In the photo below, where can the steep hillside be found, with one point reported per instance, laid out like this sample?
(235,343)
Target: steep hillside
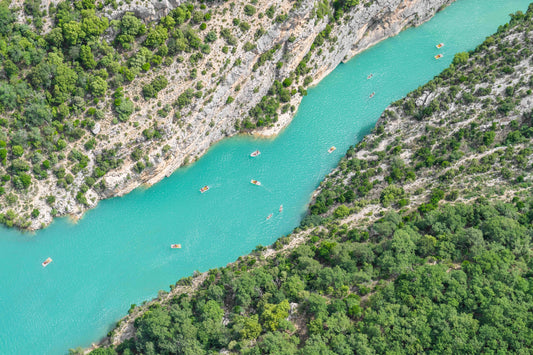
(99,97)
(420,241)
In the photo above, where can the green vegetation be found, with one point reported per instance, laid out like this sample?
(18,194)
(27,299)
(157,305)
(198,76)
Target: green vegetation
(419,241)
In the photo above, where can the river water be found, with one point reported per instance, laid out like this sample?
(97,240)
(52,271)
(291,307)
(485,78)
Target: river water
(119,253)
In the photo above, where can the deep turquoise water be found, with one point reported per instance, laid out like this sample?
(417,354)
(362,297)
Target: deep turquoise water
(119,253)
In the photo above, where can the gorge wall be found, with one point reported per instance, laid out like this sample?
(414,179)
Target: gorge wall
(232,82)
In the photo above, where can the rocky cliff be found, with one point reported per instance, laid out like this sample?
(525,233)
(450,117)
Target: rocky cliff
(230,84)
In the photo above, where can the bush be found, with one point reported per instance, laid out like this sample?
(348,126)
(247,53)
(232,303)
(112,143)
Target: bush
(249,10)
(460,58)
(249,46)
(211,36)
(341,211)
(124,109)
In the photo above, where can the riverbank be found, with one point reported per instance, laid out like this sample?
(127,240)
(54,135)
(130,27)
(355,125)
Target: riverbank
(125,328)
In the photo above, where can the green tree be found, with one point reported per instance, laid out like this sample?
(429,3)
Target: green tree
(460,58)
(156,36)
(341,211)
(248,327)
(7,17)
(10,68)
(72,32)
(124,109)
(17,151)
(87,57)
(98,86)
(91,25)
(249,10)
(273,314)
(55,37)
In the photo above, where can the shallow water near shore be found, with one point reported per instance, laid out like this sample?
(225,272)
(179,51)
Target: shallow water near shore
(119,253)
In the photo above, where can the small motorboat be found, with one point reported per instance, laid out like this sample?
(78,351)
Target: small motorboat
(440,45)
(254,154)
(438,56)
(372,95)
(331,150)
(46,262)
(269,216)
(204,189)
(281,208)
(369,76)
(255,182)
(175,246)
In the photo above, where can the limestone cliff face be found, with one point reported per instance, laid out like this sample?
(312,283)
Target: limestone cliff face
(212,118)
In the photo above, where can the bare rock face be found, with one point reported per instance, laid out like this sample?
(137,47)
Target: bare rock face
(96,129)
(213,117)
(146,10)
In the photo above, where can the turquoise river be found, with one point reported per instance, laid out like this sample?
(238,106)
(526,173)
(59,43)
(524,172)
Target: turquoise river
(119,253)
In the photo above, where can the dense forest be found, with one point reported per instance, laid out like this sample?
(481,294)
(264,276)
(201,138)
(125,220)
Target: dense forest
(419,242)
(455,280)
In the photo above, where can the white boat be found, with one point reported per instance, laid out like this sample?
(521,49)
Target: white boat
(204,189)
(256,153)
(175,246)
(255,182)
(332,149)
(438,56)
(372,95)
(46,262)
(269,216)
(440,45)
(369,76)
(281,208)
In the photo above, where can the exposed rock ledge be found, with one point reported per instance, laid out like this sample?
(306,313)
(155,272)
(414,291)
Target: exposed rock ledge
(215,119)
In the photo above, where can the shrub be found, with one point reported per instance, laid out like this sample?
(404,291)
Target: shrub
(249,10)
